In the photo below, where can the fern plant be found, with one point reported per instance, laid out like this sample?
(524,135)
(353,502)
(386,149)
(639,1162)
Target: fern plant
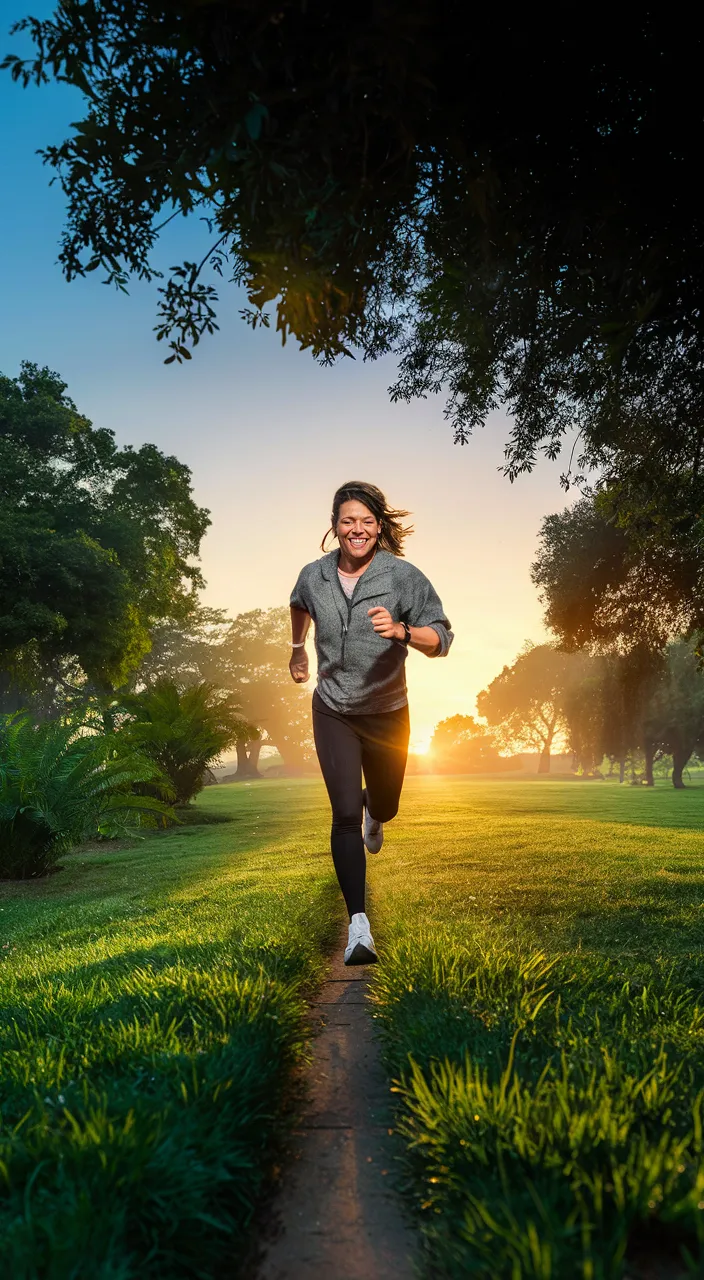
(60,784)
(183,730)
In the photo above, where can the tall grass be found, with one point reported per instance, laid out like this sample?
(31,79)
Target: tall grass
(548,1050)
(152,1009)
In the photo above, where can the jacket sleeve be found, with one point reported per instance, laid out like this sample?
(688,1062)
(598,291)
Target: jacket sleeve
(426,611)
(300,596)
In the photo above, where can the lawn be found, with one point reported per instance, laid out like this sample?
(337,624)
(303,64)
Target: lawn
(537,1001)
(541,1009)
(151,1009)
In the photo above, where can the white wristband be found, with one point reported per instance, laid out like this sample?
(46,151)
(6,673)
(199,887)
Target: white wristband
(300,645)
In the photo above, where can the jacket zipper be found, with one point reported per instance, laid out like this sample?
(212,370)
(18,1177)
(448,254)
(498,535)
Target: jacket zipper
(349,600)
(345,625)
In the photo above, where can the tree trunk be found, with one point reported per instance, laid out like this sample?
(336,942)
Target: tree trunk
(242,761)
(544,761)
(679,762)
(622,769)
(649,758)
(247,758)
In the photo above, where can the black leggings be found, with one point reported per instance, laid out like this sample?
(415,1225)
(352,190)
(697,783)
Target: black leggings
(346,745)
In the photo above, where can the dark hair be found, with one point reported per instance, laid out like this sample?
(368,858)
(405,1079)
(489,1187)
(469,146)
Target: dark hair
(392,533)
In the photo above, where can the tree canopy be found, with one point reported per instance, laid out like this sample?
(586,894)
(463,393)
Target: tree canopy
(674,717)
(97,543)
(511,205)
(611,582)
(461,745)
(252,664)
(526,704)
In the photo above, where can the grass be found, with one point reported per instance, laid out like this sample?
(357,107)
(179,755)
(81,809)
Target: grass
(540,1004)
(151,1009)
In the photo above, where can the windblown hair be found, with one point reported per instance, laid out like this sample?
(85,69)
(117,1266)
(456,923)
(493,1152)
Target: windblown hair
(393,532)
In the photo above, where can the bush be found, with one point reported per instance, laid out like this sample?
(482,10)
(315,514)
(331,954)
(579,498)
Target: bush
(183,730)
(59,785)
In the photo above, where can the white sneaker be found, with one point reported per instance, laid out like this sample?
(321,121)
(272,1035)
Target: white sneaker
(360,948)
(373,832)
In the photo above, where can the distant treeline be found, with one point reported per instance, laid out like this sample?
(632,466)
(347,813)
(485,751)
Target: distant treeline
(628,711)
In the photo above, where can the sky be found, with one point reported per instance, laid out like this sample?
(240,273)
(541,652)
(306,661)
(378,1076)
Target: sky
(269,434)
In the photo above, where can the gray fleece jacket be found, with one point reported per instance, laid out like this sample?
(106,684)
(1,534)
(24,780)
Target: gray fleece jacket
(358,670)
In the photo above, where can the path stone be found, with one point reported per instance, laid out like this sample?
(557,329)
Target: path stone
(337,1216)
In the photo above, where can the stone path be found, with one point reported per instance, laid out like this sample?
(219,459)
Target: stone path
(336,1216)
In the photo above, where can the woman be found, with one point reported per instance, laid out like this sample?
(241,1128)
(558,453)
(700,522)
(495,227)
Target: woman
(368,606)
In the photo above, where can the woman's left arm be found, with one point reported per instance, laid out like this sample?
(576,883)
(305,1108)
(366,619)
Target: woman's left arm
(430,629)
(425,639)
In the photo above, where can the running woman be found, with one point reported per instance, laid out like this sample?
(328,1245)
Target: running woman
(368,606)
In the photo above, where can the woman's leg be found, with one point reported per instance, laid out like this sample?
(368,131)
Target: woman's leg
(384,754)
(340,754)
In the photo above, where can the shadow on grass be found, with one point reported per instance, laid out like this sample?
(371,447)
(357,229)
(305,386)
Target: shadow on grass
(154,1090)
(282,960)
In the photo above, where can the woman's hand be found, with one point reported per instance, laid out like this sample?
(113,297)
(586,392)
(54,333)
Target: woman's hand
(298,666)
(384,624)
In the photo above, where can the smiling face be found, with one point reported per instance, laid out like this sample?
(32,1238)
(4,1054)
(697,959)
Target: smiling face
(357,530)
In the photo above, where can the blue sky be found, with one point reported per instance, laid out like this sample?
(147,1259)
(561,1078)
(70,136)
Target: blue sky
(267,433)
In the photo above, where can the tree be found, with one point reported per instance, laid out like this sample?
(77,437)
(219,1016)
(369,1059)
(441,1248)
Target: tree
(604,709)
(96,543)
(585,716)
(628,682)
(546,257)
(674,718)
(182,649)
(629,591)
(248,744)
(526,704)
(611,582)
(461,745)
(252,664)
(183,730)
(248,658)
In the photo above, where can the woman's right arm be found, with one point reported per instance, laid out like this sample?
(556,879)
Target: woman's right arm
(300,624)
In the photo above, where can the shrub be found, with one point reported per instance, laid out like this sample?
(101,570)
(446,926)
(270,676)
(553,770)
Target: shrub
(183,730)
(59,785)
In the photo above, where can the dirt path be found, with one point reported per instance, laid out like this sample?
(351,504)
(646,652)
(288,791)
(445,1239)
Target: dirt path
(337,1216)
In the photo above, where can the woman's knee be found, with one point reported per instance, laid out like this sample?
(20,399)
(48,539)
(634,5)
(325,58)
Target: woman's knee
(345,822)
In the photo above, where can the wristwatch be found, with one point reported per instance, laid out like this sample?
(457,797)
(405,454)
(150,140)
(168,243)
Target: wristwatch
(406,633)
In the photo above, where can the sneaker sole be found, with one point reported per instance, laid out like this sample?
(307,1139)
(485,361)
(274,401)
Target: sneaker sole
(362,955)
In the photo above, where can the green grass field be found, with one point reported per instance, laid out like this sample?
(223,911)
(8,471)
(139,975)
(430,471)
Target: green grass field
(151,1005)
(541,1007)
(538,1002)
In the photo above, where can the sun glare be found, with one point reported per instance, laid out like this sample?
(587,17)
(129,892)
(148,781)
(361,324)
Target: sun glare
(420,746)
